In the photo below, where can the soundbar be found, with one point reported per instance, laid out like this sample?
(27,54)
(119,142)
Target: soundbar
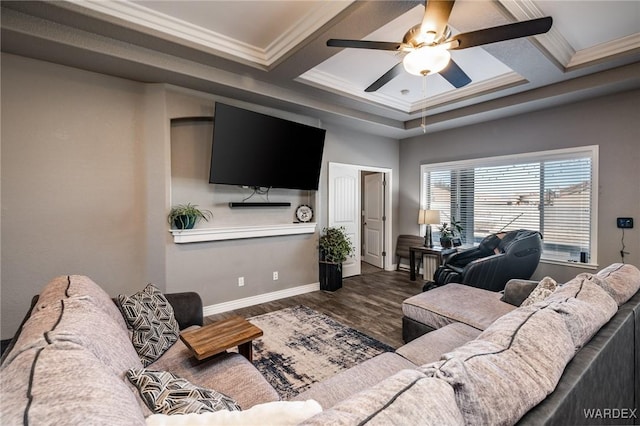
(267,204)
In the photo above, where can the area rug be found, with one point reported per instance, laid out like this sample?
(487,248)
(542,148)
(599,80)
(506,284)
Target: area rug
(301,346)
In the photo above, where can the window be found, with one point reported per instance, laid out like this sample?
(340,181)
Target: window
(550,191)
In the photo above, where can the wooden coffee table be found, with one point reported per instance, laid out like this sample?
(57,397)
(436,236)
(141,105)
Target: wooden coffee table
(215,338)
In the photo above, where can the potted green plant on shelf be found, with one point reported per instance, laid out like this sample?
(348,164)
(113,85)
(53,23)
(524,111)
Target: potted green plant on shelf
(185,216)
(335,248)
(448,231)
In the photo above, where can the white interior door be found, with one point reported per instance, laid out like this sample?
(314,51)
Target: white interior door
(344,209)
(373,225)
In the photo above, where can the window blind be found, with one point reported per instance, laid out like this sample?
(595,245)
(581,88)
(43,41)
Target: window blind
(550,191)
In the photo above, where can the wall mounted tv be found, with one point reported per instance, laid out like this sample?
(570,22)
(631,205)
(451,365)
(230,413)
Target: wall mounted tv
(257,150)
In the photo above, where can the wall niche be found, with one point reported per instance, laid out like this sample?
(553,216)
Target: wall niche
(191,142)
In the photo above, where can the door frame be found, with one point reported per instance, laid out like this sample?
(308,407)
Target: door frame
(388,203)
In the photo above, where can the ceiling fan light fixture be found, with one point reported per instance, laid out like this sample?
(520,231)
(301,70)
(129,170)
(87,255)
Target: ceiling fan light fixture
(426,60)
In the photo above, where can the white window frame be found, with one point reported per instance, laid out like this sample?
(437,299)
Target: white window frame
(559,154)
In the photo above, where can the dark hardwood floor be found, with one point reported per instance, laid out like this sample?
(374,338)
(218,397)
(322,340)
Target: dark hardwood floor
(370,303)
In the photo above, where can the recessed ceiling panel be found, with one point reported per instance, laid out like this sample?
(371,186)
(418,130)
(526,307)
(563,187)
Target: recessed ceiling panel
(354,70)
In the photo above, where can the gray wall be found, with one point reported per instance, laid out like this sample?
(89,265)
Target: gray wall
(73,181)
(87,181)
(213,268)
(612,122)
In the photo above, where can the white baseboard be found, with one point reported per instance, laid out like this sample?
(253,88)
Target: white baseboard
(261,298)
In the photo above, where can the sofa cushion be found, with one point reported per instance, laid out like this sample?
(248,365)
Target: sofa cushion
(337,388)
(602,374)
(34,329)
(64,384)
(451,303)
(512,366)
(110,343)
(407,395)
(14,385)
(584,306)
(81,286)
(150,317)
(621,281)
(47,310)
(166,393)
(229,373)
(543,289)
(430,346)
(277,413)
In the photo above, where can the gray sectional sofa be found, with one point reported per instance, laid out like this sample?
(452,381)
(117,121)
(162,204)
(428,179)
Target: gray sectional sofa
(570,358)
(68,363)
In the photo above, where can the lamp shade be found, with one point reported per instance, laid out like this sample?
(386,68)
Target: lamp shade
(426,60)
(428,217)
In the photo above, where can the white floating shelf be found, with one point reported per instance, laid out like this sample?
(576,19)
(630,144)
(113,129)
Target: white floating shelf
(234,233)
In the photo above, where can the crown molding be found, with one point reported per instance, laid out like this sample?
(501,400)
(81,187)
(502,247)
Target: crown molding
(494,84)
(624,45)
(214,42)
(560,49)
(335,84)
(553,41)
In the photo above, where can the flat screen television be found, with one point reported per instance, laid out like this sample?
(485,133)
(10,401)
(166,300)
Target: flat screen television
(258,150)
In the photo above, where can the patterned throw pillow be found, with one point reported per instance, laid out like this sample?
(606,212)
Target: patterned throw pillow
(150,317)
(166,393)
(545,287)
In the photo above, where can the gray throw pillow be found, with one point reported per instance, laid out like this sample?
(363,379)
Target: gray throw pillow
(516,291)
(150,317)
(166,393)
(545,287)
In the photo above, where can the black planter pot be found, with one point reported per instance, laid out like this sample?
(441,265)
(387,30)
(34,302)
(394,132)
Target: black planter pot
(330,276)
(446,242)
(184,222)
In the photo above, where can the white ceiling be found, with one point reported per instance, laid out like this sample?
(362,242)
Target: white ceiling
(274,53)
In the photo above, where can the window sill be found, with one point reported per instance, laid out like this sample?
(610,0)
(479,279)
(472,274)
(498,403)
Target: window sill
(590,266)
(181,236)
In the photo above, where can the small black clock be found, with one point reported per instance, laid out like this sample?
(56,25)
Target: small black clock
(304,213)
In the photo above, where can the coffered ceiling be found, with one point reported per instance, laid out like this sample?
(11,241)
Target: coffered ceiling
(274,53)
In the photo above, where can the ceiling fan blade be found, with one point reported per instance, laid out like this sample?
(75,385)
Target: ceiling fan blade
(363,44)
(501,33)
(386,77)
(454,75)
(436,16)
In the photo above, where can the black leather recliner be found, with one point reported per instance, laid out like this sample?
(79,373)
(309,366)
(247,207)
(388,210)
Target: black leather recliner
(497,259)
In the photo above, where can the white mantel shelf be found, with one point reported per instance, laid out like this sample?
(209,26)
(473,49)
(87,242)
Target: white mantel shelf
(181,236)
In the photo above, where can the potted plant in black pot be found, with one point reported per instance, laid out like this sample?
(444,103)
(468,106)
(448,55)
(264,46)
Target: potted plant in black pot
(448,231)
(185,216)
(335,248)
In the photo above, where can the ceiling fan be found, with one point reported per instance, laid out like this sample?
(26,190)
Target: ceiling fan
(427,44)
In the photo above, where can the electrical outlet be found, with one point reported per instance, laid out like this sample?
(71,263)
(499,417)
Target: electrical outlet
(240,281)
(624,222)
(275,275)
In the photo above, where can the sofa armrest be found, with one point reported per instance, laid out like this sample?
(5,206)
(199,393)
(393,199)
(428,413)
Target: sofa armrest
(187,308)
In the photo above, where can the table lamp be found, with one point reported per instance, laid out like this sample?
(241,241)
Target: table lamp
(428,217)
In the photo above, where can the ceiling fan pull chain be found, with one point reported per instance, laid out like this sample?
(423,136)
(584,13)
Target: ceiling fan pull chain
(423,123)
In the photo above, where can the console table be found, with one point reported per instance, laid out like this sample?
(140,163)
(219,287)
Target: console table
(436,253)
(214,338)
